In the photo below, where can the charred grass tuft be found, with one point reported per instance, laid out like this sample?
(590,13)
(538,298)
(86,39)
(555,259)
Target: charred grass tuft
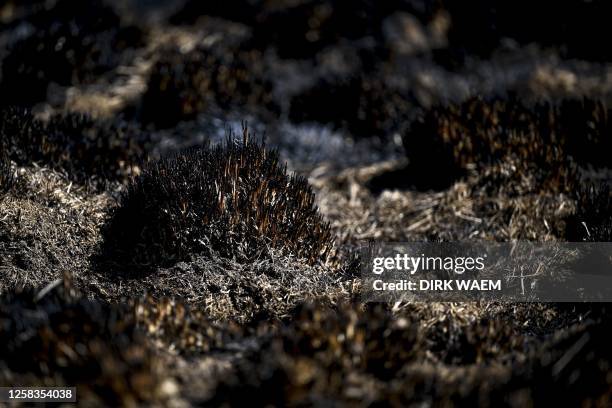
(72,42)
(55,337)
(74,143)
(235,200)
(545,139)
(221,76)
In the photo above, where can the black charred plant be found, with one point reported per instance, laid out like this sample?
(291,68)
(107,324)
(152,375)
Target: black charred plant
(219,76)
(476,131)
(55,336)
(547,138)
(84,146)
(71,42)
(234,200)
(73,142)
(592,221)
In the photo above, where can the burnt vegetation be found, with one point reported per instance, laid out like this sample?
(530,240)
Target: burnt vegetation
(394,356)
(306,361)
(235,200)
(69,43)
(210,275)
(543,138)
(54,336)
(183,85)
(74,143)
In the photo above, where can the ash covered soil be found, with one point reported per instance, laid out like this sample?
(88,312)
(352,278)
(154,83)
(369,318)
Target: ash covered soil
(184,186)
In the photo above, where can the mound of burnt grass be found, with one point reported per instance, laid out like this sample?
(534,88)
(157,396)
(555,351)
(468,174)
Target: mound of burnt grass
(541,137)
(365,107)
(592,220)
(74,143)
(69,43)
(234,200)
(182,85)
(53,336)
